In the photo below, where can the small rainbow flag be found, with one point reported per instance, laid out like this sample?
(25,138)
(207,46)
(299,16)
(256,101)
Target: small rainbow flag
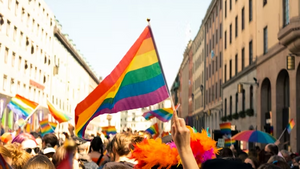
(165,134)
(45,127)
(3,163)
(153,130)
(290,126)
(229,142)
(58,115)
(225,128)
(271,130)
(137,81)
(53,125)
(22,106)
(164,114)
(109,130)
(44,123)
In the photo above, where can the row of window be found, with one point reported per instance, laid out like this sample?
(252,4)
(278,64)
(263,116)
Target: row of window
(199,102)
(213,41)
(216,64)
(213,93)
(28,68)
(251,101)
(214,14)
(243,11)
(62,105)
(237,61)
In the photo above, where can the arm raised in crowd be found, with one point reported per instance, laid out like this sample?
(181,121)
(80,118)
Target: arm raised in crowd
(181,137)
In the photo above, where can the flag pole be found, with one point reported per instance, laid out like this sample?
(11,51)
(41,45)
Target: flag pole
(282,134)
(159,61)
(32,113)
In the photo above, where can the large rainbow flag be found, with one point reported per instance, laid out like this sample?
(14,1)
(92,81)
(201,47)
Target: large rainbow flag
(22,106)
(137,81)
(164,114)
(58,115)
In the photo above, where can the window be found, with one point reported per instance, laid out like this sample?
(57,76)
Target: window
(213,41)
(225,73)
(230,69)
(15,33)
(236,102)
(4,82)
(250,52)
(213,63)
(236,26)
(225,9)
(25,66)
(9,4)
(217,10)
(244,100)
(251,97)
(28,19)
(236,64)
(225,40)
(265,40)
(225,107)
(220,59)
(8,28)
(6,55)
(230,33)
(286,11)
(221,4)
(220,30)
(250,10)
(209,69)
(220,88)
(243,18)
(230,4)
(265,2)
(216,95)
(13,59)
(216,63)
(212,93)
(230,105)
(19,63)
(20,39)
(37,29)
(243,58)
(16,8)
(12,85)
(35,72)
(33,23)
(23,14)
(217,36)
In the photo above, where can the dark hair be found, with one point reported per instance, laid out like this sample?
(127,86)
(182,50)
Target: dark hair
(226,152)
(97,145)
(39,161)
(50,139)
(273,149)
(254,161)
(263,156)
(268,166)
(243,156)
(35,135)
(252,153)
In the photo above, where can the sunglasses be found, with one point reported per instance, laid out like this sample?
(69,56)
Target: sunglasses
(36,150)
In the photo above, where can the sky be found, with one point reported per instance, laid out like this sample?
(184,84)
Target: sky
(104,30)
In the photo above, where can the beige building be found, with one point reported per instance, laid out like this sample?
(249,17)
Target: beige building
(239,61)
(279,88)
(198,47)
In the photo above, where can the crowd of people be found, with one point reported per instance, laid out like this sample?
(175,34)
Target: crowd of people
(31,151)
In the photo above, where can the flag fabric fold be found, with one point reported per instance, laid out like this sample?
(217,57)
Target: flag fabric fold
(58,115)
(164,114)
(137,81)
(22,106)
(153,130)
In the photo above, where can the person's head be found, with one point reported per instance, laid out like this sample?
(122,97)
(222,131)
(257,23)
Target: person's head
(252,153)
(243,156)
(268,166)
(97,144)
(286,155)
(271,148)
(6,154)
(263,156)
(59,155)
(50,140)
(275,158)
(296,161)
(281,164)
(39,161)
(252,161)
(84,148)
(19,157)
(121,145)
(226,152)
(28,143)
(38,138)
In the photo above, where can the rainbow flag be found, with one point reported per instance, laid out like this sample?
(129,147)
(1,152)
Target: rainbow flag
(137,81)
(271,130)
(165,134)
(153,130)
(45,127)
(53,125)
(44,123)
(6,137)
(22,106)
(58,115)
(164,114)
(3,163)
(21,122)
(290,126)
(225,128)
(27,128)
(229,142)
(109,130)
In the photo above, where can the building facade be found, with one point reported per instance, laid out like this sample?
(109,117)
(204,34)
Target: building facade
(213,23)
(239,63)
(199,58)
(38,62)
(279,89)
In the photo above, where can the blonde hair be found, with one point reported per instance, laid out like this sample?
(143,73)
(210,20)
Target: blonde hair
(5,152)
(122,143)
(39,161)
(59,155)
(19,157)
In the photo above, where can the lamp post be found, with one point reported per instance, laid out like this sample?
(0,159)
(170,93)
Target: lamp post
(108,118)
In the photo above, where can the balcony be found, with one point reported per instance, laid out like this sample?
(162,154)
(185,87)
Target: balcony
(289,36)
